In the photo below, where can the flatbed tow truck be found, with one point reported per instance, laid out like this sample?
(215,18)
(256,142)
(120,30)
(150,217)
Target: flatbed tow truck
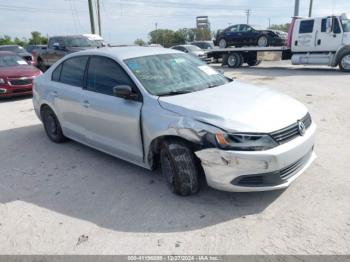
(311,41)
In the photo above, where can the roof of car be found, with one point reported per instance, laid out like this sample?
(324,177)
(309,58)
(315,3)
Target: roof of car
(126,52)
(8,45)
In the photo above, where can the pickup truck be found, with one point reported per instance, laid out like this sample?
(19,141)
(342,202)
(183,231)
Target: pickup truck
(59,46)
(311,41)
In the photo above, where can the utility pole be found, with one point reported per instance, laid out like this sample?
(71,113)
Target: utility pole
(248,12)
(99,18)
(296,7)
(91,12)
(310,8)
(269,22)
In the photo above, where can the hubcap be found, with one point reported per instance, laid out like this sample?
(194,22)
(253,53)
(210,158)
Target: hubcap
(231,60)
(222,43)
(345,62)
(262,41)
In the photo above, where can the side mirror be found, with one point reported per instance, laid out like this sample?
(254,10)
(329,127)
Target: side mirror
(329,25)
(124,91)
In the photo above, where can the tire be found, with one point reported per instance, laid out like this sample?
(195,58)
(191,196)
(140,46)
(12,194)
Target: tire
(179,167)
(233,60)
(52,125)
(253,62)
(222,43)
(263,41)
(344,63)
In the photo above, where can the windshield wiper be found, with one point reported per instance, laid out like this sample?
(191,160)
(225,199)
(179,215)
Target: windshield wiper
(174,93)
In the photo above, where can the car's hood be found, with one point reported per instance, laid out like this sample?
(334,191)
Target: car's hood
(19,71)
(238,107)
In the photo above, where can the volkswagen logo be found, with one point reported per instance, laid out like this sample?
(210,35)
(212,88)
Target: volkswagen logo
(301,128)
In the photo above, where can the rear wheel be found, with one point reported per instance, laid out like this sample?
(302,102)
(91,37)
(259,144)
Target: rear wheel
(233,60)
(344,64)
(263,41)
(222,43)
(52,125)
(179,167)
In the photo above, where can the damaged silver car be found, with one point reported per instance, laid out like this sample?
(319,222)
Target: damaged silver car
(161,107)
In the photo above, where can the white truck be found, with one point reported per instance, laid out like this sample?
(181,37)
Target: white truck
(311,41)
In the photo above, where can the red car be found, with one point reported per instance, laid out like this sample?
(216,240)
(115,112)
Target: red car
(16,75)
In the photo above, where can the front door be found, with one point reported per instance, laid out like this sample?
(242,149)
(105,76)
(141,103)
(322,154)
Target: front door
(112,123)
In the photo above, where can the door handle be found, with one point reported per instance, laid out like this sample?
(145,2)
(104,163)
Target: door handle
(54,94)
(85,104)
(319,41)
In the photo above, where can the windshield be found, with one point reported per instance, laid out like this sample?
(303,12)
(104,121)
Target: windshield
(168,74)
(83,42)
(346,25)
(11,60)
(12,48)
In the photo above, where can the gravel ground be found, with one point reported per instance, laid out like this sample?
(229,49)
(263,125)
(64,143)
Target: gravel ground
(70,199)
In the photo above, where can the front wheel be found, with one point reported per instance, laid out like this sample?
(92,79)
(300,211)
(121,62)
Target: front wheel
(179,167)
(253,62)
(345,63)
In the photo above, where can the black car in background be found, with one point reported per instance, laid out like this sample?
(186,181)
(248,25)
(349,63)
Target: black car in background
(246,35)
(19,51)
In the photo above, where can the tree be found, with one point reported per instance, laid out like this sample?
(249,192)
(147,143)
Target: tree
(37,38)
(140,42)
(281,27)
(6,40)
(165,37)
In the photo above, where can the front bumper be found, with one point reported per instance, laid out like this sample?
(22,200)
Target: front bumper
(10,91)
(246,171)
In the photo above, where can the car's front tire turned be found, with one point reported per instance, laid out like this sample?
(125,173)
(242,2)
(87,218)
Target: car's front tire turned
(179,167)
(52,125)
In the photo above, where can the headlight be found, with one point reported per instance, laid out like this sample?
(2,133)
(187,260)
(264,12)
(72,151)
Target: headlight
(2,81)
(243,142)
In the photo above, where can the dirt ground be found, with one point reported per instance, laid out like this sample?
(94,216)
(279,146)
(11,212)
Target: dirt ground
(70,199)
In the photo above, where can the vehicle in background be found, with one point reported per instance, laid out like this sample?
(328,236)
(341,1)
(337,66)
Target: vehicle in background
(155,45)
(247,35)
(59,46)
(153,106)
(16,75)
(311,41)
(192,50)
(31,48)
(204,45)
(19,51)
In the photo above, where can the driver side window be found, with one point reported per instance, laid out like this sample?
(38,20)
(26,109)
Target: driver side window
(104,74)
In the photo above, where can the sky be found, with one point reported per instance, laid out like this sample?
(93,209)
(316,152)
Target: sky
(123,21)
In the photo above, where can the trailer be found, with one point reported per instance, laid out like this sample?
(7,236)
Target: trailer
(311,41)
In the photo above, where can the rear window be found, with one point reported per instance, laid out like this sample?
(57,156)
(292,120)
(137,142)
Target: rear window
(73,69)
(306,26)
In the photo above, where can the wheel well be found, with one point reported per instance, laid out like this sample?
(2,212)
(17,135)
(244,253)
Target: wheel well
(155,147)
(42,107)
(340,53)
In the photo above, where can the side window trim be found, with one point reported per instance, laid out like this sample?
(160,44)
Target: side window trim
(62,65)
(59,67)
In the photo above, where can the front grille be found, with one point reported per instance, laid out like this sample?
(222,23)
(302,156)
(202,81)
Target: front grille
(20,82)
(286,134)
(273,178)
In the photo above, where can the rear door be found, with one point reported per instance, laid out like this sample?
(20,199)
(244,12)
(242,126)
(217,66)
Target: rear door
(67,97)
(233,36)
(304,36)
(112,123)
(329,41)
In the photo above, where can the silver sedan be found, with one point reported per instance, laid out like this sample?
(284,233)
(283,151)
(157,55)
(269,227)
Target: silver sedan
(161,107)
